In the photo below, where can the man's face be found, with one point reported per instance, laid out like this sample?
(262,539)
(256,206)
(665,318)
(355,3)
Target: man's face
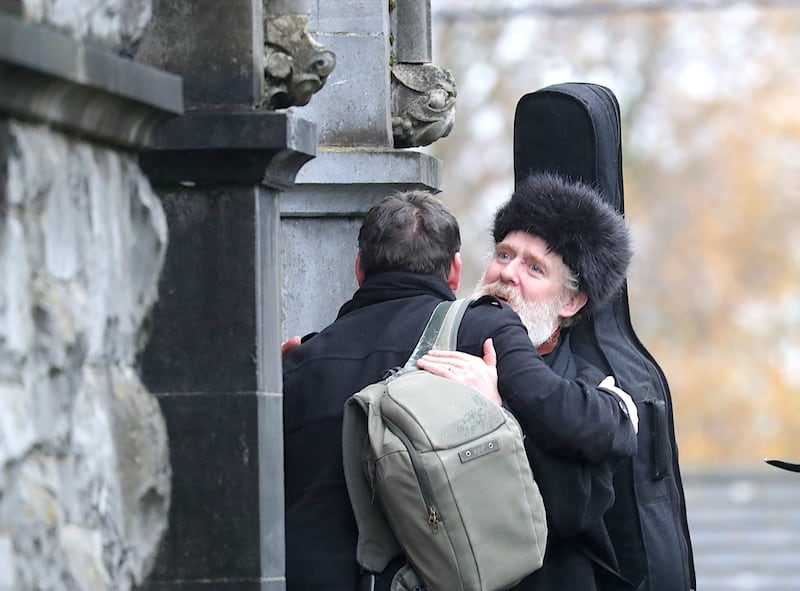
(531,279)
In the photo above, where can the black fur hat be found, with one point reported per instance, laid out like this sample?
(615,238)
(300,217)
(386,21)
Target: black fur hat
(576,223)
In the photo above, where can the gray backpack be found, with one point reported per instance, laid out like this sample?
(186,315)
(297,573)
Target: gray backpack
(438,473)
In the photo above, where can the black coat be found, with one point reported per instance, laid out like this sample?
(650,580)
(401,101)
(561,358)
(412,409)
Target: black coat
(376,331)
(580,555)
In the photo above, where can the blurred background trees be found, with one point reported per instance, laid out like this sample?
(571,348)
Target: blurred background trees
(710,99)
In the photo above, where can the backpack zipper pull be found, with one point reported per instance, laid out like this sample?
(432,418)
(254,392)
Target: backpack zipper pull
(433,519)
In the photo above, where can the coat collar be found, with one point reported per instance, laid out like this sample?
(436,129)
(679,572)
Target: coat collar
(392,285)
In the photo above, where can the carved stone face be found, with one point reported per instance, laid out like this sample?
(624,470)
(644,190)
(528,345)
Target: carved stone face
(295,65)
(423,104)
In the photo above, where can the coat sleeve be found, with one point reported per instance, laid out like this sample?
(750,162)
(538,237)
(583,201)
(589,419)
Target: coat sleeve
(571,418)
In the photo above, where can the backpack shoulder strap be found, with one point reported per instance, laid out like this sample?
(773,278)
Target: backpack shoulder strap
(441,331)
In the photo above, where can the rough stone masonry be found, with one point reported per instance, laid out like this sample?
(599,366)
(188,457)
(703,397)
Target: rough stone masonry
(84,484)
(84,466)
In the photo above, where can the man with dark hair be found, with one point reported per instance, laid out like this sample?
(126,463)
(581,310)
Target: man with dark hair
(408,262)
(560,253)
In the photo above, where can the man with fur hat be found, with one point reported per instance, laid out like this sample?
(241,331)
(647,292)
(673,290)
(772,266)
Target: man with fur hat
(560,252)
(577,247)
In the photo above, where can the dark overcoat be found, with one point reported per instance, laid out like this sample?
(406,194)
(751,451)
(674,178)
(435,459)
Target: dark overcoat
(580,555)
(374,332)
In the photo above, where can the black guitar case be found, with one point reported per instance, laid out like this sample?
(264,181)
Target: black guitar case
(574,129)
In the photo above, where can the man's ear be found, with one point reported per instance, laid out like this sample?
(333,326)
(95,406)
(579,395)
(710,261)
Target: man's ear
(573,305)
(360,276)
(454,276)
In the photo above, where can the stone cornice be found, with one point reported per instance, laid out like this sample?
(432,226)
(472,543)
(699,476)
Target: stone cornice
(202,148)
(358,179)
(49,77)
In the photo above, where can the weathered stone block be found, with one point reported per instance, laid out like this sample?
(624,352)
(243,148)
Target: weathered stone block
(84,472)
(215,46)
(51,77)
(353,108)
(114,23)
(312,296)
(226,454)
(355,17)
(204,325)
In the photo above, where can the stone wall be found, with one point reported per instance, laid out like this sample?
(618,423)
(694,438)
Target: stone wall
(84,471)
(84,463)
(118,24)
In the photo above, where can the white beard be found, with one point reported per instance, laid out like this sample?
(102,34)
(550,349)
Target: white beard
(539,317)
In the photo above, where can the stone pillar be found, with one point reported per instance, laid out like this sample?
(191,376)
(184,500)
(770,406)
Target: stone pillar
(213,356)
(84,464)
(357,161)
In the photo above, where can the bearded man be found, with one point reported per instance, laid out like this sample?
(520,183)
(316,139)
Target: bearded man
(560,253)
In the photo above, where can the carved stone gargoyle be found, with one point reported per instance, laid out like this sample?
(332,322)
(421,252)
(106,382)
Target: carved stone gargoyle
(295,64)
(423,104)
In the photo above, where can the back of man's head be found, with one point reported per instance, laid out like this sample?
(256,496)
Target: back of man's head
(411,231)
(573,219)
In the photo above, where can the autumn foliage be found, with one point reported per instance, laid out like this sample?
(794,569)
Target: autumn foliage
(711,139)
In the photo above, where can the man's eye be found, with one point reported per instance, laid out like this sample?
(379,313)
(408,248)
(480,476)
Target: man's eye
(503,256)
(534,268)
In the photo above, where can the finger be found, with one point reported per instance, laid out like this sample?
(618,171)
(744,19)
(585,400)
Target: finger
(287,346)
(489,354)
(443,354)
(453,357)
(439,369)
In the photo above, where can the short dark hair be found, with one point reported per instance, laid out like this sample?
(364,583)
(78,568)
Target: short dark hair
(410,231)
